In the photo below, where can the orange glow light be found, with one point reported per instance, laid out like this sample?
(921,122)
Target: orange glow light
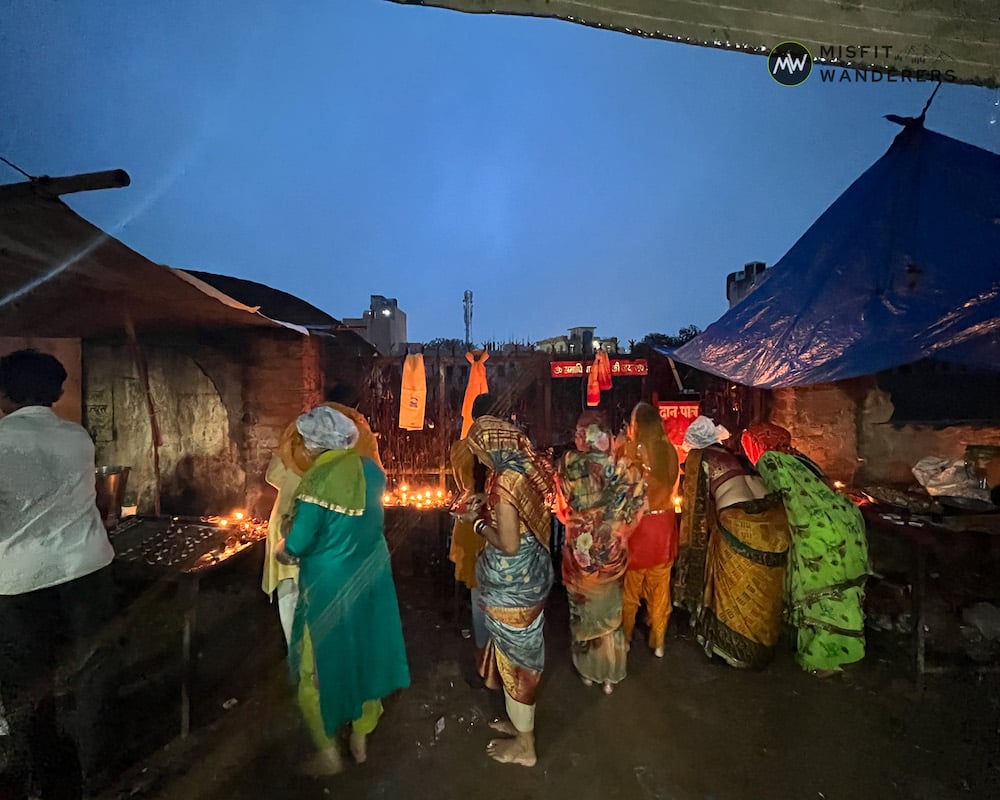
(416,497)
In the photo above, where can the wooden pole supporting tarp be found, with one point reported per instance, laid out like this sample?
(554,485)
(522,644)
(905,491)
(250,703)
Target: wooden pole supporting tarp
(142,367)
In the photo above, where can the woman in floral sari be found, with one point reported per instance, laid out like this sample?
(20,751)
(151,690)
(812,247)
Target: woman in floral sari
(599,502)
(514,575)
(828,559)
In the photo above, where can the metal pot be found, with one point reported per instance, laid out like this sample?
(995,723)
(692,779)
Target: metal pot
(111,483)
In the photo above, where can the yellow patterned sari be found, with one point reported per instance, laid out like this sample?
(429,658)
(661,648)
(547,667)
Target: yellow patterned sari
(733,570)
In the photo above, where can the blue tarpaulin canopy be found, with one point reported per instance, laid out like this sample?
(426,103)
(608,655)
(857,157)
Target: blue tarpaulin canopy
(905,265)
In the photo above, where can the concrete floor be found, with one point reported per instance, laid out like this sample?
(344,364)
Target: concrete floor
(680,728)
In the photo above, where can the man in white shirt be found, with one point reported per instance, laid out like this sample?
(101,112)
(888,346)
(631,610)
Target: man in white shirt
(56,592)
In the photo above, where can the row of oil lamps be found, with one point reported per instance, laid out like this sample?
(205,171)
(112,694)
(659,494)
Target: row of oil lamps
(416,498)
(410,498)
(404,496)
(436,498)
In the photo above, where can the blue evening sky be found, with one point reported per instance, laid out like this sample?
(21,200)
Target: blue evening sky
(568,176)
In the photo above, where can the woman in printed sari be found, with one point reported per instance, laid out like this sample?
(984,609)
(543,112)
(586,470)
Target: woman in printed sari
(347,640)
(828,562)
(514,575)
(599,502)
(734,543)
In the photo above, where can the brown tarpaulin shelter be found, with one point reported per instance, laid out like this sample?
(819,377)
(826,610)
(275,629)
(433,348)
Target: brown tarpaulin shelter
(60,276)
(962,36)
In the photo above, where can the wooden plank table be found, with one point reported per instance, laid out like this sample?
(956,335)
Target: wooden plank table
(963,548)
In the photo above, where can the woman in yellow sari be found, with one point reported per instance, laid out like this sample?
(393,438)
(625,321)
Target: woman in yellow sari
(734,547)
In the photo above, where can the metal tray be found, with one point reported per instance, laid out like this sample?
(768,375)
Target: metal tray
(179,544)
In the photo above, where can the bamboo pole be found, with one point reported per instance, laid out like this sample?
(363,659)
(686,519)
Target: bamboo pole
(54,187)
(139,358)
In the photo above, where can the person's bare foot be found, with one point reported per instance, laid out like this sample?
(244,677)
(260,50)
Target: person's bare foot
(359,747)
(609,687)
(519,750)
(587,681)
(658,651)
(325,762)
(504,726)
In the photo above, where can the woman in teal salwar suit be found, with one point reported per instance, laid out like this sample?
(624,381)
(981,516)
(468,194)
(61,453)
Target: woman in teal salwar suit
(347,639)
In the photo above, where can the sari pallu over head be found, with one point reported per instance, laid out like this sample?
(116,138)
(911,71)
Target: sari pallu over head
(518,475)
(765,437)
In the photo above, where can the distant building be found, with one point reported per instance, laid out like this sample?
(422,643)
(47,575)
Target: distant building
(740,284)
(383,325)
(581,342)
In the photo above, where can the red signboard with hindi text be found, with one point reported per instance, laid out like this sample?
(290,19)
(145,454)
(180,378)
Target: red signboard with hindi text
(620,368)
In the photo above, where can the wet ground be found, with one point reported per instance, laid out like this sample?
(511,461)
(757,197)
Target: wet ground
(678,728)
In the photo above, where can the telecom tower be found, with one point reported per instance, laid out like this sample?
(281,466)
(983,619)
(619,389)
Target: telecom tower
(467,306)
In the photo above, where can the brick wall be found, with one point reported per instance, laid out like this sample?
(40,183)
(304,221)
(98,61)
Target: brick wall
(283,378)
(823,423)
(845,427)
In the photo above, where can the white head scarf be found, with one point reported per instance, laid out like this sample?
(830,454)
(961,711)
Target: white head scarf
(702,432)
(325,428)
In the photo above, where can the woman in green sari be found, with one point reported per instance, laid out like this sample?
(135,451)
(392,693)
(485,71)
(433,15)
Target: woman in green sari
(347,640)
(828,559)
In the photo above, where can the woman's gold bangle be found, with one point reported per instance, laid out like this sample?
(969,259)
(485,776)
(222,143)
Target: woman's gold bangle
(478,525)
